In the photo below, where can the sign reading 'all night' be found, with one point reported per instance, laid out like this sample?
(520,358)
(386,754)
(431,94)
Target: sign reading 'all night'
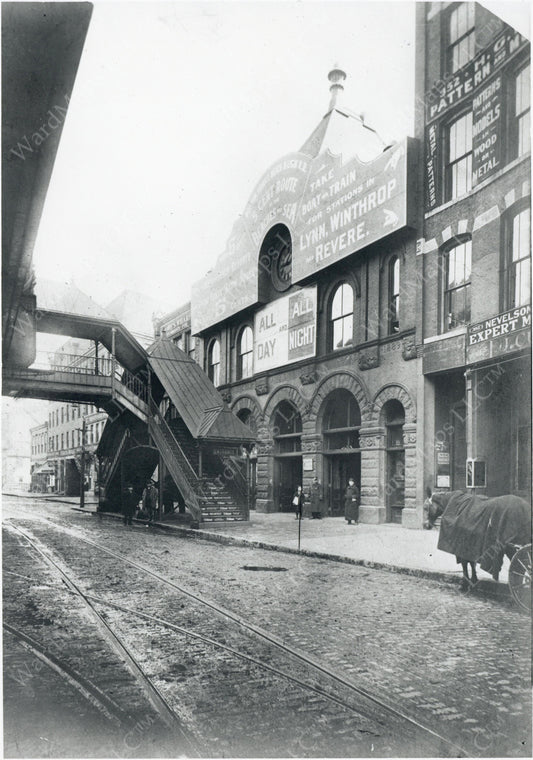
(285,331)
(349,206)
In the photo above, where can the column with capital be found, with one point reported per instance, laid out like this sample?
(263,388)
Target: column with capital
(373,504)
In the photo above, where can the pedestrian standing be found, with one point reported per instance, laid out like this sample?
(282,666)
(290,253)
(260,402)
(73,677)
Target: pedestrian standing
(129,503)
(298,502)
(351,503)
(316,500)
(150,501)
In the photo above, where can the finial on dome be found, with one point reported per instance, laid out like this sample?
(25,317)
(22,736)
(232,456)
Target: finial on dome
(336,76)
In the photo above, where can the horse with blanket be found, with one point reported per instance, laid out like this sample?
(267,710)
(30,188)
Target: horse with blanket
(479,529)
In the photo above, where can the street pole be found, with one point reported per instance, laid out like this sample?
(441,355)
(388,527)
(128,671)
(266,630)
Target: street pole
(82,466)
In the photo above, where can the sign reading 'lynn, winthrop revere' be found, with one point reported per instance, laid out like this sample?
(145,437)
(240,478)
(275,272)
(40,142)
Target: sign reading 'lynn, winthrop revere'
(331,209)
(346,207)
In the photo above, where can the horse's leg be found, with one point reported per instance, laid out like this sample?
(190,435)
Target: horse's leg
(473,574)
(465,582)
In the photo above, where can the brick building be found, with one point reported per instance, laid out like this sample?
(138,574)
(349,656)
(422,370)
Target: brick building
(307,326)
(370,315)
(473,115)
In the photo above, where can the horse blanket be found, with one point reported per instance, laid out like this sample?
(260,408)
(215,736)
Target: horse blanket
(478,528)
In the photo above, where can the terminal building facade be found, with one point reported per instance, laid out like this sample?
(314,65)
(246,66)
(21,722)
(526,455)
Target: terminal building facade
(370,315)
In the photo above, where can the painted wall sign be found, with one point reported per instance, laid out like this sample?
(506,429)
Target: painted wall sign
(432,158)
(505,333)
(285,330)
(233,283)
(487,131)
(331,209)
(464,83)
(348,206)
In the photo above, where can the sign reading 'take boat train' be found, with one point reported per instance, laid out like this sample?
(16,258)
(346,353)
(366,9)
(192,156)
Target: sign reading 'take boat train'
(346,207)
(331,209)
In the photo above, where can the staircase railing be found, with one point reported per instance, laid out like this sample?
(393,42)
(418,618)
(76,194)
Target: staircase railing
(174,458)
(133,383)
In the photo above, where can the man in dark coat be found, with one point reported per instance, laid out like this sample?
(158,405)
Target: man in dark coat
(351,503)
(129,502)
(316,500)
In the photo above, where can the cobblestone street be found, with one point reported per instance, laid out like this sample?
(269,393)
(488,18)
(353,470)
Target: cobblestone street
(456,665)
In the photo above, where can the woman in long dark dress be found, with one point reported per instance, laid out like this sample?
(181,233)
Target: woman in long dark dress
(351,503)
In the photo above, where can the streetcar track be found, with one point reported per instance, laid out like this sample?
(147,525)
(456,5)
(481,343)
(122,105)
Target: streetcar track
(452,747)
(160,704)
(105,704)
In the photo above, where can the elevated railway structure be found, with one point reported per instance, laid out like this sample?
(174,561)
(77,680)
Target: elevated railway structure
(162,411)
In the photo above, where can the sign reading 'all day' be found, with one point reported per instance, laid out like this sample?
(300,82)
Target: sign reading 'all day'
(285,331)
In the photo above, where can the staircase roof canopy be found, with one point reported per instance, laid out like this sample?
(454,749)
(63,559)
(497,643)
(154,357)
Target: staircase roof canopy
(195,397)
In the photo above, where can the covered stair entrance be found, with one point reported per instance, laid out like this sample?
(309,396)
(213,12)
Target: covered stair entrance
(163,413)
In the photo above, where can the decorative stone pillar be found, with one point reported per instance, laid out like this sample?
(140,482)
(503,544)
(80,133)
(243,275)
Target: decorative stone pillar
(311,444)
(372,509)
(411,514)
(265,470)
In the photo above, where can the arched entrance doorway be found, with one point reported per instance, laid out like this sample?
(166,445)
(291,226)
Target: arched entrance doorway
(286,428)
(341,423)
(394,419)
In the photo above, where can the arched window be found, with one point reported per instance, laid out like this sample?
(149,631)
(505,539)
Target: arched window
(246,416)
(245,353)
(342,317)
(287,432)
(213,362)
(342,421)
(394,296)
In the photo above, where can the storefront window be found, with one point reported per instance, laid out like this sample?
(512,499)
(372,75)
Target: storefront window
(459,158)
(213,362)
(342,317)
(458,265)
(461,36)
(245,353)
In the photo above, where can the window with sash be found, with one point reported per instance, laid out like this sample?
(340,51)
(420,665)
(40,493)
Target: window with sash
(457,270)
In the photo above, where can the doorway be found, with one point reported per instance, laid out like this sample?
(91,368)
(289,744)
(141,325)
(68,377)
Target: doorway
(287,478)
(340,468)
(394,418)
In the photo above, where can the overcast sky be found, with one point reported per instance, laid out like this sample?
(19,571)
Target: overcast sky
(178,109)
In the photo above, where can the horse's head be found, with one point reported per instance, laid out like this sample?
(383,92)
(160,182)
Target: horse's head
(433,508)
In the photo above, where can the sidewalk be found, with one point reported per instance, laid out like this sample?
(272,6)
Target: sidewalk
(386,546)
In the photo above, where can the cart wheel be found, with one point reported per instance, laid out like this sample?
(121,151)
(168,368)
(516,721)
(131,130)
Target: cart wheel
(520,577)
